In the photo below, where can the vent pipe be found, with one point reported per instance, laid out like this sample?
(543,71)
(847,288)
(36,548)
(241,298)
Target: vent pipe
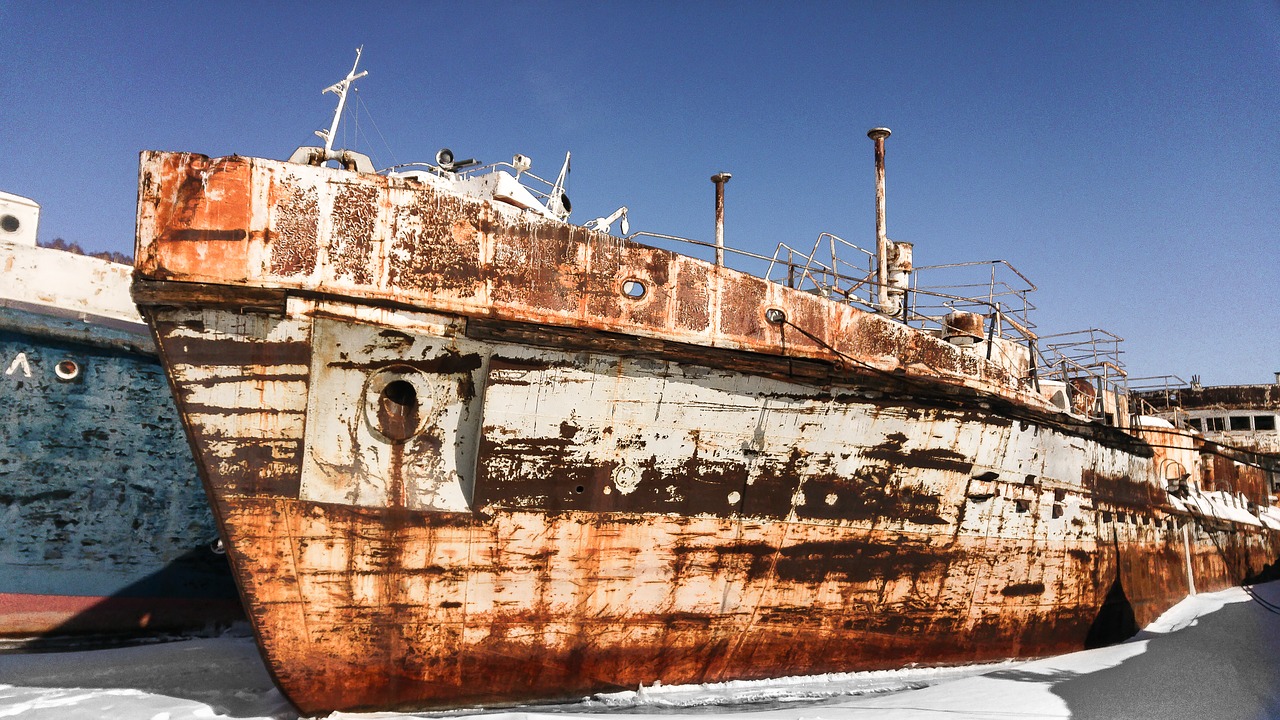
(882,238)
(720,179)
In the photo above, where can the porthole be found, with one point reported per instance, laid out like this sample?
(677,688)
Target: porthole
(9,223)
(634,289)
(67,370)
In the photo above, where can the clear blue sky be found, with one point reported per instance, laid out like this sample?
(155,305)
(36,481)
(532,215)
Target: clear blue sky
(1125,156)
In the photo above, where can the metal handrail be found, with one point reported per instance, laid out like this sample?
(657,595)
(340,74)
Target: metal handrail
(699,243)
(1147,384)
(828,281)
(1030,285)
(1160,384)
(998,290)
(827,278)
(1092,354)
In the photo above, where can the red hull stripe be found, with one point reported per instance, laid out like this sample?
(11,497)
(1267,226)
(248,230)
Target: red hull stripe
(28,614)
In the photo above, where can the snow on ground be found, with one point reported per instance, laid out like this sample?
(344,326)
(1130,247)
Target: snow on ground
(1216,655)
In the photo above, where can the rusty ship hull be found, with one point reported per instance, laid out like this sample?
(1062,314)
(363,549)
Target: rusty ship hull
(456,461)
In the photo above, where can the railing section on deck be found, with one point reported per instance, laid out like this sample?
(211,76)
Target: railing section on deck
(837,269)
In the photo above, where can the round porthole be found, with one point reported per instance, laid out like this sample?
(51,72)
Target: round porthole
(9,223)
(634,289)
(67,370)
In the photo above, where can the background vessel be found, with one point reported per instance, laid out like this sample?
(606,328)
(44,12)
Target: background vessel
(107,529)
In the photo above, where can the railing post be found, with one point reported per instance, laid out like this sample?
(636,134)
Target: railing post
(1034,349)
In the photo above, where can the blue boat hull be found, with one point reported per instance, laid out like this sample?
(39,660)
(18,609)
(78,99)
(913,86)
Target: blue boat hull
(107,528)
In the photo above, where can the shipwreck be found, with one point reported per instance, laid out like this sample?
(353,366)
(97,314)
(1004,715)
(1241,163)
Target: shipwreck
(464,452)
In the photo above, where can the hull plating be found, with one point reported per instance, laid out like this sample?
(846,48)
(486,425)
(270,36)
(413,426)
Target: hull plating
(107,529)
(635,520)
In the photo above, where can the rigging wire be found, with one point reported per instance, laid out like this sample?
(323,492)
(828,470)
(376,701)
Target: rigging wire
(391,154)
(354,114)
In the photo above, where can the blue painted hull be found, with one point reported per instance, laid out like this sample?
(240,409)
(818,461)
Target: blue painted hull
(106,524)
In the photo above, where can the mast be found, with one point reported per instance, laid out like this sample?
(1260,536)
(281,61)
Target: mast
(340,88)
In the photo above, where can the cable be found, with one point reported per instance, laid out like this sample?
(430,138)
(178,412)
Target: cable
(368,112)
(787,322)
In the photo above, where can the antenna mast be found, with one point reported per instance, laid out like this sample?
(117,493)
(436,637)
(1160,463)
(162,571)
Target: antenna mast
(340,89)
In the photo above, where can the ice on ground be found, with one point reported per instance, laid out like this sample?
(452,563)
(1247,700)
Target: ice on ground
(1214,655)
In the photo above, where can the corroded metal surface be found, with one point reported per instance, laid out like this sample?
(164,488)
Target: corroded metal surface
(255,222)
(457,464)
(1251,397)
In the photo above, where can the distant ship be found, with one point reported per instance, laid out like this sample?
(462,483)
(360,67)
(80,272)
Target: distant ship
(1223,416)
(1246,416)
(465,452)
(106,527)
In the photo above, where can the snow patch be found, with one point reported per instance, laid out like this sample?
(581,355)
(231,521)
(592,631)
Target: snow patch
(1212,655)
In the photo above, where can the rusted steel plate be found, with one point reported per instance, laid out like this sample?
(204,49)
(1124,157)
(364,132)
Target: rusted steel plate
(574,522)
(275,224)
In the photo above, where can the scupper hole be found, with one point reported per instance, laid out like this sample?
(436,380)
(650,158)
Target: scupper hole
(67,370)
(634,289)
(398,410)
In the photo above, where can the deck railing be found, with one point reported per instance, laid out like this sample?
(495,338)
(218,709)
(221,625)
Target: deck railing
(837,269)
(1163,389)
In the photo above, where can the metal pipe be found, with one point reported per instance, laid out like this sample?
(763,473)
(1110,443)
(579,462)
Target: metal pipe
(991,332)
(720,179)
(882,238)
